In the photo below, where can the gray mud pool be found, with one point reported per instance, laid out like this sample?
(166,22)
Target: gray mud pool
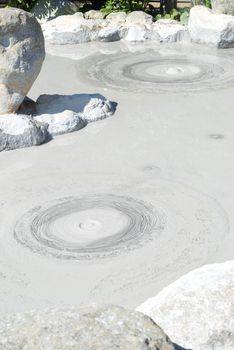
(116,211)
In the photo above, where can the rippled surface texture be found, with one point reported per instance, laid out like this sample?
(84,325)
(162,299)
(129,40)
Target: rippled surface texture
(114,213)
(87,227)
(163,70)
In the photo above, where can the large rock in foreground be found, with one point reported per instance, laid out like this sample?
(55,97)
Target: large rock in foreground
(21,56)
(198,309)
(205,27)
(17,131)
(83,328)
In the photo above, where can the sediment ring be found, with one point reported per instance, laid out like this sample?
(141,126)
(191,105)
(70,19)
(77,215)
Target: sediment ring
(88,227)
(160,72)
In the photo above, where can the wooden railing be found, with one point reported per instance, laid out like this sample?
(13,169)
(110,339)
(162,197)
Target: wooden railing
(179,3)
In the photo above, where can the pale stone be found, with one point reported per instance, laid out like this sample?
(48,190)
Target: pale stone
(205,27)
(82,328)
(67,30)
(22,54)
(17,131)
(136,34)
(117,18)
(139,18)
(94,14)
(197,310)
(171,31)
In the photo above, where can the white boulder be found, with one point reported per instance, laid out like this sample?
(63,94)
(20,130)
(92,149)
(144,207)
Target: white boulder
(17,131)
(139,18)
(197,310)
(94,14)
(70,29)
(170,31)
(205,27)
(64,114)
(21,56)
(136,34)
(117,18)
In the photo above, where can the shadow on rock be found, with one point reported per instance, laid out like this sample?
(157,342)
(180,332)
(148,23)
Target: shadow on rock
(177,347)
(68,113)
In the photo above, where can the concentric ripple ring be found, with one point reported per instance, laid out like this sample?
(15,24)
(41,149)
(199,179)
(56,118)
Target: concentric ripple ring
(160,72)
(88,227)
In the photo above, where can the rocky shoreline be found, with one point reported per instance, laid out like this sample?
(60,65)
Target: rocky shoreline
(204,27)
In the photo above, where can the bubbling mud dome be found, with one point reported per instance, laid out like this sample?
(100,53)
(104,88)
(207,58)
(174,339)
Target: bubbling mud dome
(87,227)
(184,69)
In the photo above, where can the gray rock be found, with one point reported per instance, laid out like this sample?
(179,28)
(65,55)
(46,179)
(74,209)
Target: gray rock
(45,10)
(198,309)
(208,28)
(82,328)
(17,131)
(65,30)
(109,34)
(22,54)
(223,6)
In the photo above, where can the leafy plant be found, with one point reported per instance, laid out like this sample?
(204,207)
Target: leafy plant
(23,4)
(180,15)
(124,5)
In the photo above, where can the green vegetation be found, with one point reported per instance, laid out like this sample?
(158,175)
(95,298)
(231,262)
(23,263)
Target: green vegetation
(23,4)
(124,5)
(180,15)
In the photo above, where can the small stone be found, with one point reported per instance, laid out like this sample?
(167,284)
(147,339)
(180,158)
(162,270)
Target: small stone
(18,131)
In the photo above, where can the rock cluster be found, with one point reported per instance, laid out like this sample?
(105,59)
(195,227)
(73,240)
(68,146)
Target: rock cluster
(204,26)
(21,56)
(85,327)
(136,26)
(51,115)
(198,309)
